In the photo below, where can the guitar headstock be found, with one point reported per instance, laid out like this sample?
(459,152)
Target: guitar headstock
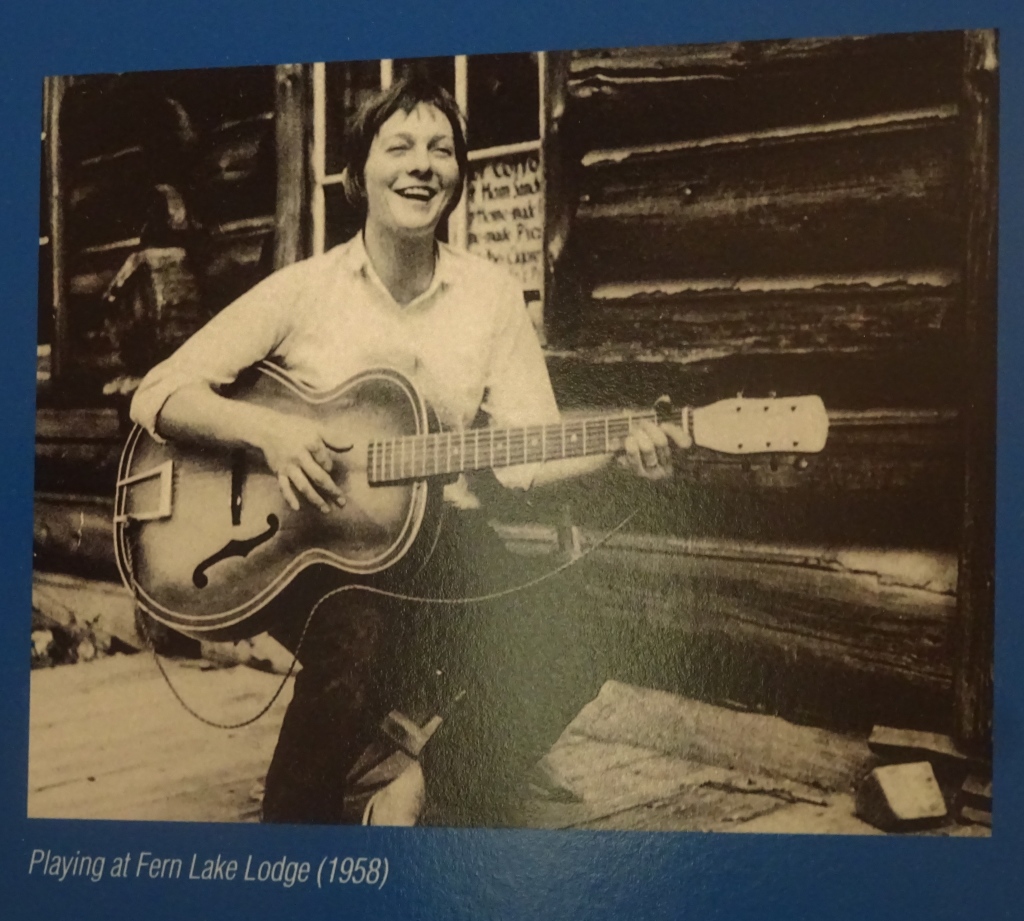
(789,425)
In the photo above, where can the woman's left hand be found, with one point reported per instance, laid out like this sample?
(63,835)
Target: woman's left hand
(648,448)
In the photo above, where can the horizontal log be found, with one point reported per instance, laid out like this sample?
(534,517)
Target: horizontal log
(92,269)
(930,571)
(74,533)
(787,315)
(628,375)
(230,262)
(234,181)
(77,449)
(739,57)
(224,97)
(867,199)
(87,467)
(234,177)
(77,425)
(885,122)
(871,616)
(104,114)
(645,95)
(107,200)
(877,497)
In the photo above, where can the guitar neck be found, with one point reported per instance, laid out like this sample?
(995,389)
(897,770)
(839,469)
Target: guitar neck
(447,453)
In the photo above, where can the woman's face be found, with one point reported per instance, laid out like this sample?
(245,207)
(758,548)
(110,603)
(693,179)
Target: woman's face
(411,172)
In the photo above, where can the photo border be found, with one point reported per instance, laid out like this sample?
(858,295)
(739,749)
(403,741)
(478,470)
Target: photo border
(481,873)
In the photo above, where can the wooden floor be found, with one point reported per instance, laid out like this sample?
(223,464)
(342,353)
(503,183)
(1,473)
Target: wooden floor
(109,741)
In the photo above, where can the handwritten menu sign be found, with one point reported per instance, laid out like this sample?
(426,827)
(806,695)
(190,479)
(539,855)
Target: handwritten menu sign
(506,215)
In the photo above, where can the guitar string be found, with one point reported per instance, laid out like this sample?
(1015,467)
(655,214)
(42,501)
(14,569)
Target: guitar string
(397,596)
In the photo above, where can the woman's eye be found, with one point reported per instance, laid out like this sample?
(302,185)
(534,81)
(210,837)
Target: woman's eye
(444,151)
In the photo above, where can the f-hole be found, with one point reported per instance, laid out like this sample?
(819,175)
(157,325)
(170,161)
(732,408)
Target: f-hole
(238,471)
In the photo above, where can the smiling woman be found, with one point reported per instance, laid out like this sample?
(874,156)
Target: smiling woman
(455,325)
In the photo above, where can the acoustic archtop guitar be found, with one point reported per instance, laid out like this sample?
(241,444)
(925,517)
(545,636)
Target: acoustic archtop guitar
(206,541)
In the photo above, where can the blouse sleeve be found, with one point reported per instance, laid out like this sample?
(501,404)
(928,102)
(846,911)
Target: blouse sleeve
(518,387)
(246,331)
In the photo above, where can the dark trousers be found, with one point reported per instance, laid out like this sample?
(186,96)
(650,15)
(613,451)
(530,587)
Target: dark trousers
(526,664)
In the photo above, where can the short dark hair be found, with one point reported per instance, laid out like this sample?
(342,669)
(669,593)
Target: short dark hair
(403,95)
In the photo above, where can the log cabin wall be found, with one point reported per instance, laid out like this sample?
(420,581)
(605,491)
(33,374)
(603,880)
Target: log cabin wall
(164,188)
(169,161)
(759,217)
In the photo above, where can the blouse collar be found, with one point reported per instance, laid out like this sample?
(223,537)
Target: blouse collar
(358,261)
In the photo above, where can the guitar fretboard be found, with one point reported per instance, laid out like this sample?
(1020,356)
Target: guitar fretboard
(418,456)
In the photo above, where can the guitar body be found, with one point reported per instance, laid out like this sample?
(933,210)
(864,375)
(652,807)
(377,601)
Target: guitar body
(206,541)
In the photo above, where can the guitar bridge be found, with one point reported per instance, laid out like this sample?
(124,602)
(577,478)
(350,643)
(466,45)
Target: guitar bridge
(164,475)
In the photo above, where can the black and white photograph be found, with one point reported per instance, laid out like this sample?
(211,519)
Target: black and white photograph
(598,439)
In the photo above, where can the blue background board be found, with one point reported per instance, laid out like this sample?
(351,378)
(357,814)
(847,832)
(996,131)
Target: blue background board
(475,874)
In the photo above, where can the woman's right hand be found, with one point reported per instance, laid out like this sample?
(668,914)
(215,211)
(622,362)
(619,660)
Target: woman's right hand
(295,451)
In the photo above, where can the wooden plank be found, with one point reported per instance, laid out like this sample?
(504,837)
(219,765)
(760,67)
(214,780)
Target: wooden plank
(976,611)
(783,203)
(769,632)
(793,315)
(601,783)
(638,95)
(613,783)
(595,770)
(711,735)
(79,425)
(56,88)
(290,134)
(932,572)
